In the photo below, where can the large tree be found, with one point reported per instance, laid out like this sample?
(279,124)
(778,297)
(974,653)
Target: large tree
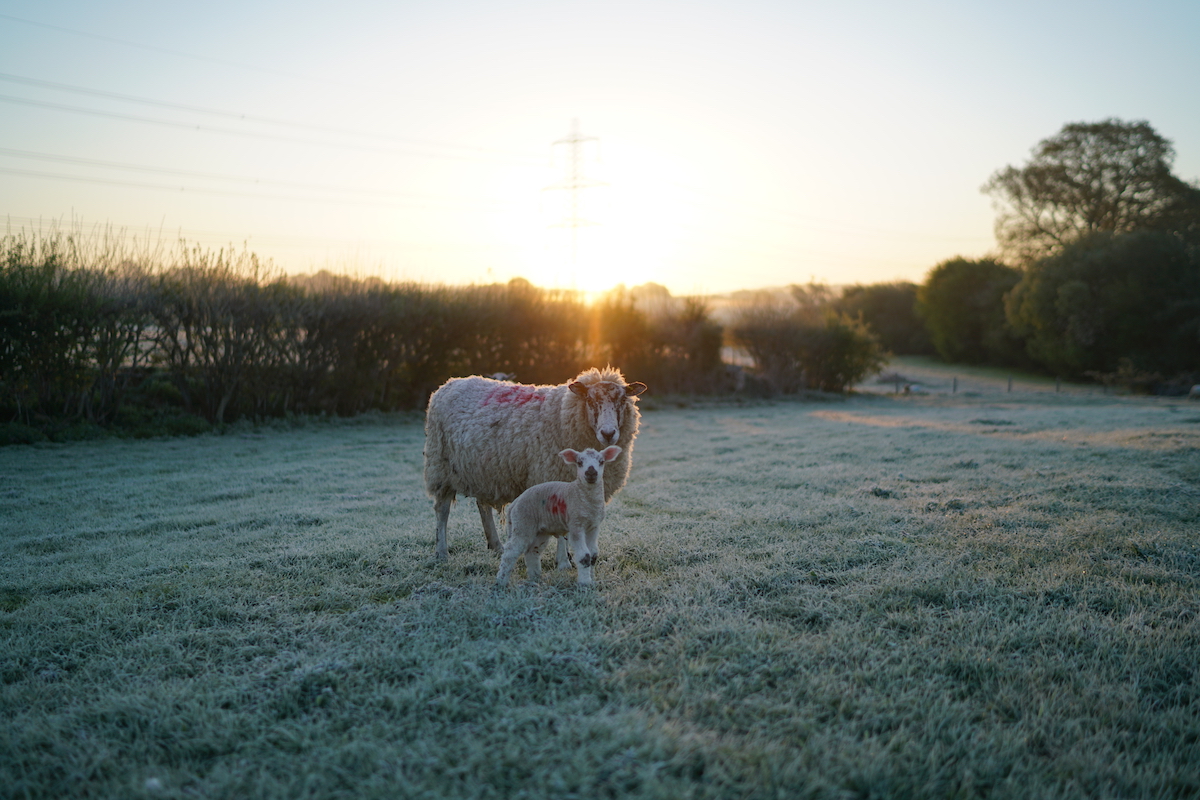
(962,303)
(1110,176)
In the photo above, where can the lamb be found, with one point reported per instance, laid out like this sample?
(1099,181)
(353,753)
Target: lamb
(555,508)
(492,440)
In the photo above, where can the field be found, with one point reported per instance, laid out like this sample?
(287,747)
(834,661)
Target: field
(934,595)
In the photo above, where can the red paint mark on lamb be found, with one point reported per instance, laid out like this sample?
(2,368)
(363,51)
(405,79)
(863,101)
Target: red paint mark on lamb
(556,505)
(517,395)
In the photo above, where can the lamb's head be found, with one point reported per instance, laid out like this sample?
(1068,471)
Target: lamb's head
(607,403)
(589,464)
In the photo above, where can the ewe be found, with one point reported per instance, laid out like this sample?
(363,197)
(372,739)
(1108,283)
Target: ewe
(555,508)
(492,440)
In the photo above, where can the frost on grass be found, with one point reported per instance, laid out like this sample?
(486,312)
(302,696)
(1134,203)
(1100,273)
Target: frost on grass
(886,597)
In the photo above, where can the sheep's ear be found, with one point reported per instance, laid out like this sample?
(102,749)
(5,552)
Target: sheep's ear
(570,456)
(579,389)
(635,388)
(610,453)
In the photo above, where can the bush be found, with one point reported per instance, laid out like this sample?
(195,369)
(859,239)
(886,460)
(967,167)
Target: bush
(798,346)
(890,311)
(962,304)
(1118,305)
(19,433)
(672,343)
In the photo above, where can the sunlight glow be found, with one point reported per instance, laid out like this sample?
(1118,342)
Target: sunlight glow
(627,227)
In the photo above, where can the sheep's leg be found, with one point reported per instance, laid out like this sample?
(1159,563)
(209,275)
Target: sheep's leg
(489,526)
(563,555)
(584,559)
(441,507)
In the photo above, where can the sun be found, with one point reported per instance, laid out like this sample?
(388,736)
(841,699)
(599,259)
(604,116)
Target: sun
(595,258)
(626,229)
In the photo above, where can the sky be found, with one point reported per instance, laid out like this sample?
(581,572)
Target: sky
(705,146)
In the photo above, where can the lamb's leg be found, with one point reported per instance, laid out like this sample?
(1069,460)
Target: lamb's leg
(584,559)
(593,548)
(489,526)
(516,545)
(441,507)
(563,555)
(507,562)
(533,559)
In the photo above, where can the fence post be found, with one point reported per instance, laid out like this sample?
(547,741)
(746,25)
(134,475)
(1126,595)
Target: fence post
(954,386)
(1010,383)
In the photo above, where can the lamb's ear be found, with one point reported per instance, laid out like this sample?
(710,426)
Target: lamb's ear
(610,453)
(579,389)
(635,388)
(570,456)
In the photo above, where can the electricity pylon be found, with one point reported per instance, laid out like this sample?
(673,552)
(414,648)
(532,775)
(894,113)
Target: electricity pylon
(574,182)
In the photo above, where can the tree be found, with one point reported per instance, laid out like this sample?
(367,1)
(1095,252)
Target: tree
(962,303)
(1110,176)
(890,310)
(1111,298)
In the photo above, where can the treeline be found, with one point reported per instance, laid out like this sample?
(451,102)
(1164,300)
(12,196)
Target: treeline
(1097,278)
(1099,271)
(1119,309)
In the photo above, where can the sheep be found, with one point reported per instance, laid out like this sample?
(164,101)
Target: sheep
(1194,394)
(554,508)
(492,440)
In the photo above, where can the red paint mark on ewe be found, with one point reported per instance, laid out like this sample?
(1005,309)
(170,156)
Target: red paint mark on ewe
(517,395)
(556,505)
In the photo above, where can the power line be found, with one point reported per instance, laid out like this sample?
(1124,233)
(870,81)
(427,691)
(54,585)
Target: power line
(63,87)
(219,192)
(221,177)
(157,49)
(225,131)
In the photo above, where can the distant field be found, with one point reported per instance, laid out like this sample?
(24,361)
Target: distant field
(981,594)
(931,376)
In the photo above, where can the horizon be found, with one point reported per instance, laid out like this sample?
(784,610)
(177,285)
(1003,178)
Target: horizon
(712,149)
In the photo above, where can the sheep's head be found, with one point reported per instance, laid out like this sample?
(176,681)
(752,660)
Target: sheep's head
(607,403)
(590,464)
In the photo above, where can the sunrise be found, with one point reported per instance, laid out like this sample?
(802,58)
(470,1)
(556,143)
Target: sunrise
(649,400)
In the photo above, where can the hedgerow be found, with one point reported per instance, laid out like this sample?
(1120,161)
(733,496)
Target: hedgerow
(99,334)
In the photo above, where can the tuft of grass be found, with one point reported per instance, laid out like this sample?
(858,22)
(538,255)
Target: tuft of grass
(879,598)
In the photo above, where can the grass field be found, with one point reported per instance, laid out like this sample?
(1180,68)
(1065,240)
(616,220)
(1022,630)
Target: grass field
(985,594)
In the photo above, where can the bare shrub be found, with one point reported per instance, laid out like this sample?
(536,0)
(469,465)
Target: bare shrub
(801,343)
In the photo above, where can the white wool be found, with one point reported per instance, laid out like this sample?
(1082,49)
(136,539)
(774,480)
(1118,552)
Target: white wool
(559,508)
(492,440)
